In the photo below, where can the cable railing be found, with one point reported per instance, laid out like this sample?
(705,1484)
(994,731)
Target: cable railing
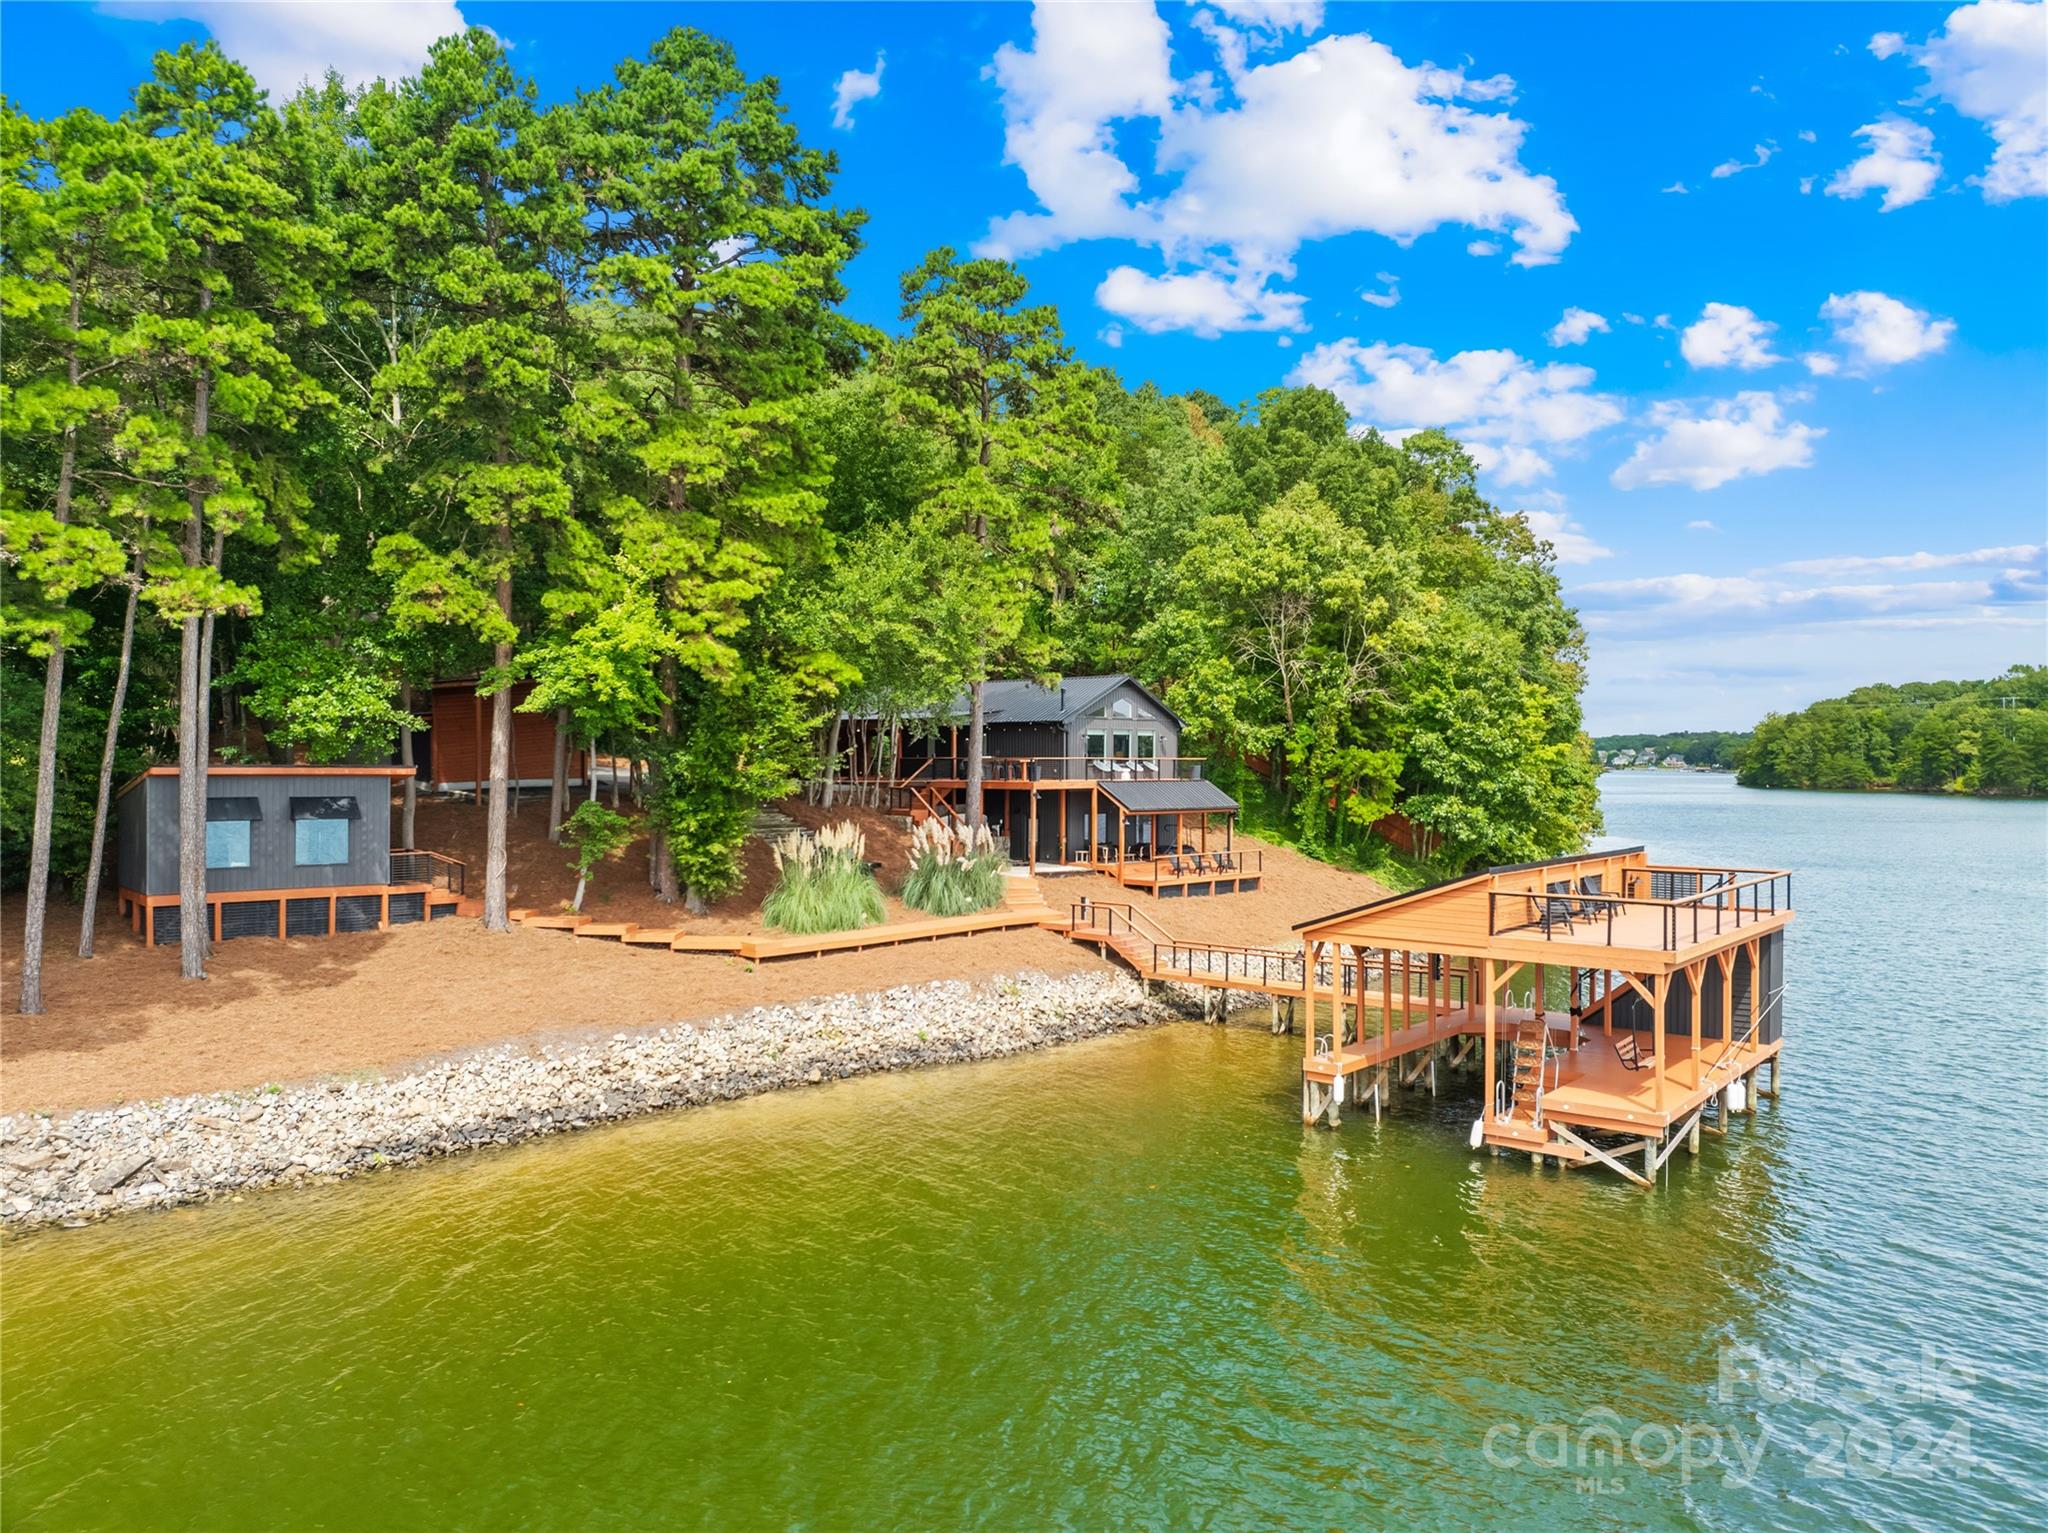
(1722,901)
(1000,769)
(437,870)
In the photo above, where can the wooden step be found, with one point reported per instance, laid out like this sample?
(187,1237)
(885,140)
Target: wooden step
(686,942)
(563,923)
(651,936)
(620,930)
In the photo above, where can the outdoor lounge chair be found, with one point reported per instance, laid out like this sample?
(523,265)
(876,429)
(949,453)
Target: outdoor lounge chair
(1552,911)
(1173,864)
(1627,1052)
(1224,862)
(1589,904)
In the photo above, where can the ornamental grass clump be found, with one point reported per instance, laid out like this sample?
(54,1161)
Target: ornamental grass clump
(824,883)
(951,874)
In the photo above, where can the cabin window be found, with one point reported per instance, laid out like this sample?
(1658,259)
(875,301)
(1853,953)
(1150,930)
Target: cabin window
(229,823)
(227,843)
(1122,739)
(320,830)
(1097,745)
(1148,747)
(1120,709)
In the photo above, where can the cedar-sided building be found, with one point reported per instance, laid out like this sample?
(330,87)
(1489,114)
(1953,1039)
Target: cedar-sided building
(1083,775)
(457,754)
(291,851)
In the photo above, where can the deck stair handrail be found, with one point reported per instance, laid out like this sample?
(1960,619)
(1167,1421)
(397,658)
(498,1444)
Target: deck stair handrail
(1732,1055)
(1533,1071)
(411,865)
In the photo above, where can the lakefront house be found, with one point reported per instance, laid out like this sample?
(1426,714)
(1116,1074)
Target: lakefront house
(1082,775)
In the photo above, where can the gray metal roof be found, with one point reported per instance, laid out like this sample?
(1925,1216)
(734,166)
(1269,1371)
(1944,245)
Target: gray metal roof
(1028,702)
(1192,796)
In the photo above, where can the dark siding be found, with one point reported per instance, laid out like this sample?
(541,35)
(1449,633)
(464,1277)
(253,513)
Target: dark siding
(131,858)
(272,843)
(1145,718)
(1772,953)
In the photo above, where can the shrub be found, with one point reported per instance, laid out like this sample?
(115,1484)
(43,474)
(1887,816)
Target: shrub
(824,884)
(594,833)
(951,875)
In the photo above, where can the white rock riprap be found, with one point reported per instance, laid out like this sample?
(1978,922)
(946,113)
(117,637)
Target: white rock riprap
(87,1165)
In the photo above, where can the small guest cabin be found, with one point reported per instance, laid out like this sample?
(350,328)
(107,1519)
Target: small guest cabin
(1085,775)
(291,851)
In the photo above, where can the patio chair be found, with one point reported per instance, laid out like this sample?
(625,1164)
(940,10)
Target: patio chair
(1626,1050)
(1552,912)
(1589,905)
(1173,864)
(1224,862)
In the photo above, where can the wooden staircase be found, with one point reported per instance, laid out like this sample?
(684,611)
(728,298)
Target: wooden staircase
(1531,1041)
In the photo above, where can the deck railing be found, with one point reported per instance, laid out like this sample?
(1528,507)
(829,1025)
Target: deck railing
(1228,862)
(1001,769)
(437,870)
(1701,903)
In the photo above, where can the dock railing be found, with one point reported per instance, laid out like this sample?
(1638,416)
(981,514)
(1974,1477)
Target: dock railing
(1703,903)
(1003,769)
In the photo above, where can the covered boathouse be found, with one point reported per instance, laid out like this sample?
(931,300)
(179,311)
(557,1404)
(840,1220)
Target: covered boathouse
(1618,1006)
(1085,775)
(291,851)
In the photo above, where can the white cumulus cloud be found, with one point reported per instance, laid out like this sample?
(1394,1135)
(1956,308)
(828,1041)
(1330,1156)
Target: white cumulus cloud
(1990,62)
(289,43)
(1877,330)
(1705,447)
(1338,136)
(1388,298)
(1576,325)
(1569,542)
(1728,335)
(1208,302)
(1899,160)
(852,88)
(1505,408)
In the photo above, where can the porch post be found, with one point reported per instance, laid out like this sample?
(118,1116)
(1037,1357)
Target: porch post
(1031,833)
(1486,981)
(1659,984)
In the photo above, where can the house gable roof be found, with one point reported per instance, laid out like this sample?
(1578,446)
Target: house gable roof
(1030,702)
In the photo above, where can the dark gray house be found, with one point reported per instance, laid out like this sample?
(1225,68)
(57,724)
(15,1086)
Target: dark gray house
(1085,773)
(290,851)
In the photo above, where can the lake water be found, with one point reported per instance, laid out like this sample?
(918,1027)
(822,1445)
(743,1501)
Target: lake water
(1118,1285)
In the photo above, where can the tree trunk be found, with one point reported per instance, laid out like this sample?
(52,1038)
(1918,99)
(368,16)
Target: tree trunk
(496,823)
(46,743)
(39,844)
(194,927)
(407,824)
(832,756)
(615,775)
(98,854)
(558,786)
(975,764)
(591,771)
(576,904)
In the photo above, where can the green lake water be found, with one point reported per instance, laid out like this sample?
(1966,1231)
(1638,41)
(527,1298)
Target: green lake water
(1117,1285)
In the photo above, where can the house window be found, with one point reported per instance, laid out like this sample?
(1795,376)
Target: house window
(1122,739)
(1097,743)
(229,823)
(320,830)
(227,843)
(1148,747)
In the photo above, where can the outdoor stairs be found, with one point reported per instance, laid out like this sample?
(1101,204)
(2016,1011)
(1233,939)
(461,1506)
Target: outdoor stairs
(1021,893)
(770,824)
(1531,1039)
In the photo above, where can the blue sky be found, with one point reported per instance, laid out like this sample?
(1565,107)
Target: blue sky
(1747,307)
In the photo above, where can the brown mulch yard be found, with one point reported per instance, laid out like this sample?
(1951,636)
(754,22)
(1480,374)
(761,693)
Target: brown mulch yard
(124,1027)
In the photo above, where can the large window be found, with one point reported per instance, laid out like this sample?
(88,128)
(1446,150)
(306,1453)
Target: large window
(1098,744)
(227,843)
(230,829)
(1122,741)
(320,830)
(1148,747)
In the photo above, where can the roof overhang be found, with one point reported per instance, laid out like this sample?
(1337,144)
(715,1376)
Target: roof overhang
(1193,795)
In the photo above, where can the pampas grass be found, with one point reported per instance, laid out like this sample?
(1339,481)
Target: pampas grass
(951,875)
(824,884)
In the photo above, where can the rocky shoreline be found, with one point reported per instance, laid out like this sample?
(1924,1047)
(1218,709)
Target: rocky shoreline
(75,1168)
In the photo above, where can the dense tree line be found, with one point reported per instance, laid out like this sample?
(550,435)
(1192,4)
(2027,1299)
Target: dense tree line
(307,405)
(1983,737)
(1699,747)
